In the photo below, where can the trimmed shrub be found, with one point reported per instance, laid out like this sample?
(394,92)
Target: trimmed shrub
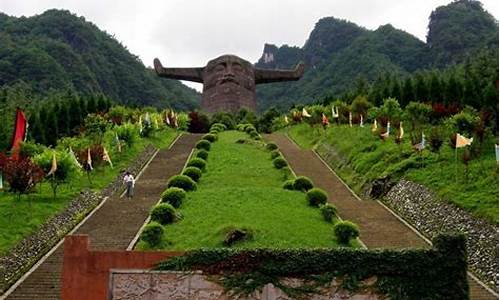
(249,128)
(192,172)
(241,141)
(163,213)
(203,144)
(271,146)
(254,134)
(316,197)
(203,154)
(198,163)
(174,195)
(328,211)
(288,185)
(275,153)
(344,231)
(218,127)
(303,183)
(182,181)
(210,137)
(152,234)
(236,235)
(279,163)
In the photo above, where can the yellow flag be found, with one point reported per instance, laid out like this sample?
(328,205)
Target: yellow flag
(286,120)
(53,169)
(374,126)
(89,160)
(350,119)
(462,141)
(105,156)
(401,131)
(305,113)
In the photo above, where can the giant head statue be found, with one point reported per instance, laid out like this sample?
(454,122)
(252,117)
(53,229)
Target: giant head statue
(228,81)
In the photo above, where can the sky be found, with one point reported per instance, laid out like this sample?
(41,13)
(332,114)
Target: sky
(188,33)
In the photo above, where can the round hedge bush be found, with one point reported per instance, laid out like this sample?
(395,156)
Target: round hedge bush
(328,211)
(271,146)
(152,234)
(344,231)
(303,183)
(203,154)
(316,197)
(254,134)
(210,137)
(182,181)
(163,213)
(192,172)
(279,163)
(203,144)
(198,163)
(174,195)
(275,153)
(288,185)
(249,128)
(218,127)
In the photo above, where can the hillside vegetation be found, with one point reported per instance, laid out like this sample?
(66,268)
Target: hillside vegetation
(340,55)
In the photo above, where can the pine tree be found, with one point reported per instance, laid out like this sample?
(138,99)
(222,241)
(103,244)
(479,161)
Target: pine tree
(396,90)
(408,92)
(83,109)
(453,91)
(435,90)
(92,105)
(51,128)
(36,129)
(421,91)
(63,119)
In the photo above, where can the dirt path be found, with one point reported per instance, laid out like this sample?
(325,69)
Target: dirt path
(379,227)
(115,223)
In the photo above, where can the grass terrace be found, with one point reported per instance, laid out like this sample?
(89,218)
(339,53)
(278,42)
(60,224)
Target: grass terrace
(242,189)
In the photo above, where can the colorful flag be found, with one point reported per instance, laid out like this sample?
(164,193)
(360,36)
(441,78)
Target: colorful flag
(374,126)
(20,131)
(147,119)
(167,118)
(105,156)
(361,121)
(401,131)
(1,182)
(386,134)
(89,161)
(155,123)
(496,154)
(286,120)
(335,112)
(324,119)
(73,157)
(305,113)
(53,168)
(462,141)
(420,146)
(350,119)
(118,143)
(140,124)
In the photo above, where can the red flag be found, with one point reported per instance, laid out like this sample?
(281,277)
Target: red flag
(20,131)
(324,120)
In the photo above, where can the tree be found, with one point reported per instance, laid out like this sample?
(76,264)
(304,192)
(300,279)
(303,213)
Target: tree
(418,114)
(21,174)
(396,91)
(66,168)
(421,90)
(95,127)
(435,90)
(453,90)
(408,92)
(36,129)
(390,111)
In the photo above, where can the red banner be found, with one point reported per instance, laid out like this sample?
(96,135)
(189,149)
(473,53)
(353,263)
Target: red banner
(19,133)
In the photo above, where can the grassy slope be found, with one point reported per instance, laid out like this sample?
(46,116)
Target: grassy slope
(364,157)
(241,188)
(20,218)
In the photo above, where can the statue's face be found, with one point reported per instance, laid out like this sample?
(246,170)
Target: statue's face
(229,73)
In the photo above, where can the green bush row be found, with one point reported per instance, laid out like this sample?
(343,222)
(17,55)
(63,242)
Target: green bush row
(437,273)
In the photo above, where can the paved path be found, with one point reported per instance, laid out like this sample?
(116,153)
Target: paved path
(114,224)
(379,228)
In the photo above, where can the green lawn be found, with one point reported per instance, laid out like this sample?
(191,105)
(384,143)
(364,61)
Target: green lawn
(18,219)
(363,157)
(242,189)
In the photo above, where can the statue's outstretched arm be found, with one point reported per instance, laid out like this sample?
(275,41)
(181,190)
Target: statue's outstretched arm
(267,76)
(189,74)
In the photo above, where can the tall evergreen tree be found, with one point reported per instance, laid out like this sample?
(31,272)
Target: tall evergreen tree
(396,90)
(408,92)
(435,89)
(453,90)
(36,130)
(421,90)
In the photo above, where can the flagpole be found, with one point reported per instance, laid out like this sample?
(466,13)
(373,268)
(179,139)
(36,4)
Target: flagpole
(456,164)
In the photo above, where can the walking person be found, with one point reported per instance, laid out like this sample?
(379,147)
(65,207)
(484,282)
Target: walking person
(129,181)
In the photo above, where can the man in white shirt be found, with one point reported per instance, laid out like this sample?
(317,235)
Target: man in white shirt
(129,183)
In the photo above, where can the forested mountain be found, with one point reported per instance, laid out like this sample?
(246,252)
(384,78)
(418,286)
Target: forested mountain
(58,51)
(339,54)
